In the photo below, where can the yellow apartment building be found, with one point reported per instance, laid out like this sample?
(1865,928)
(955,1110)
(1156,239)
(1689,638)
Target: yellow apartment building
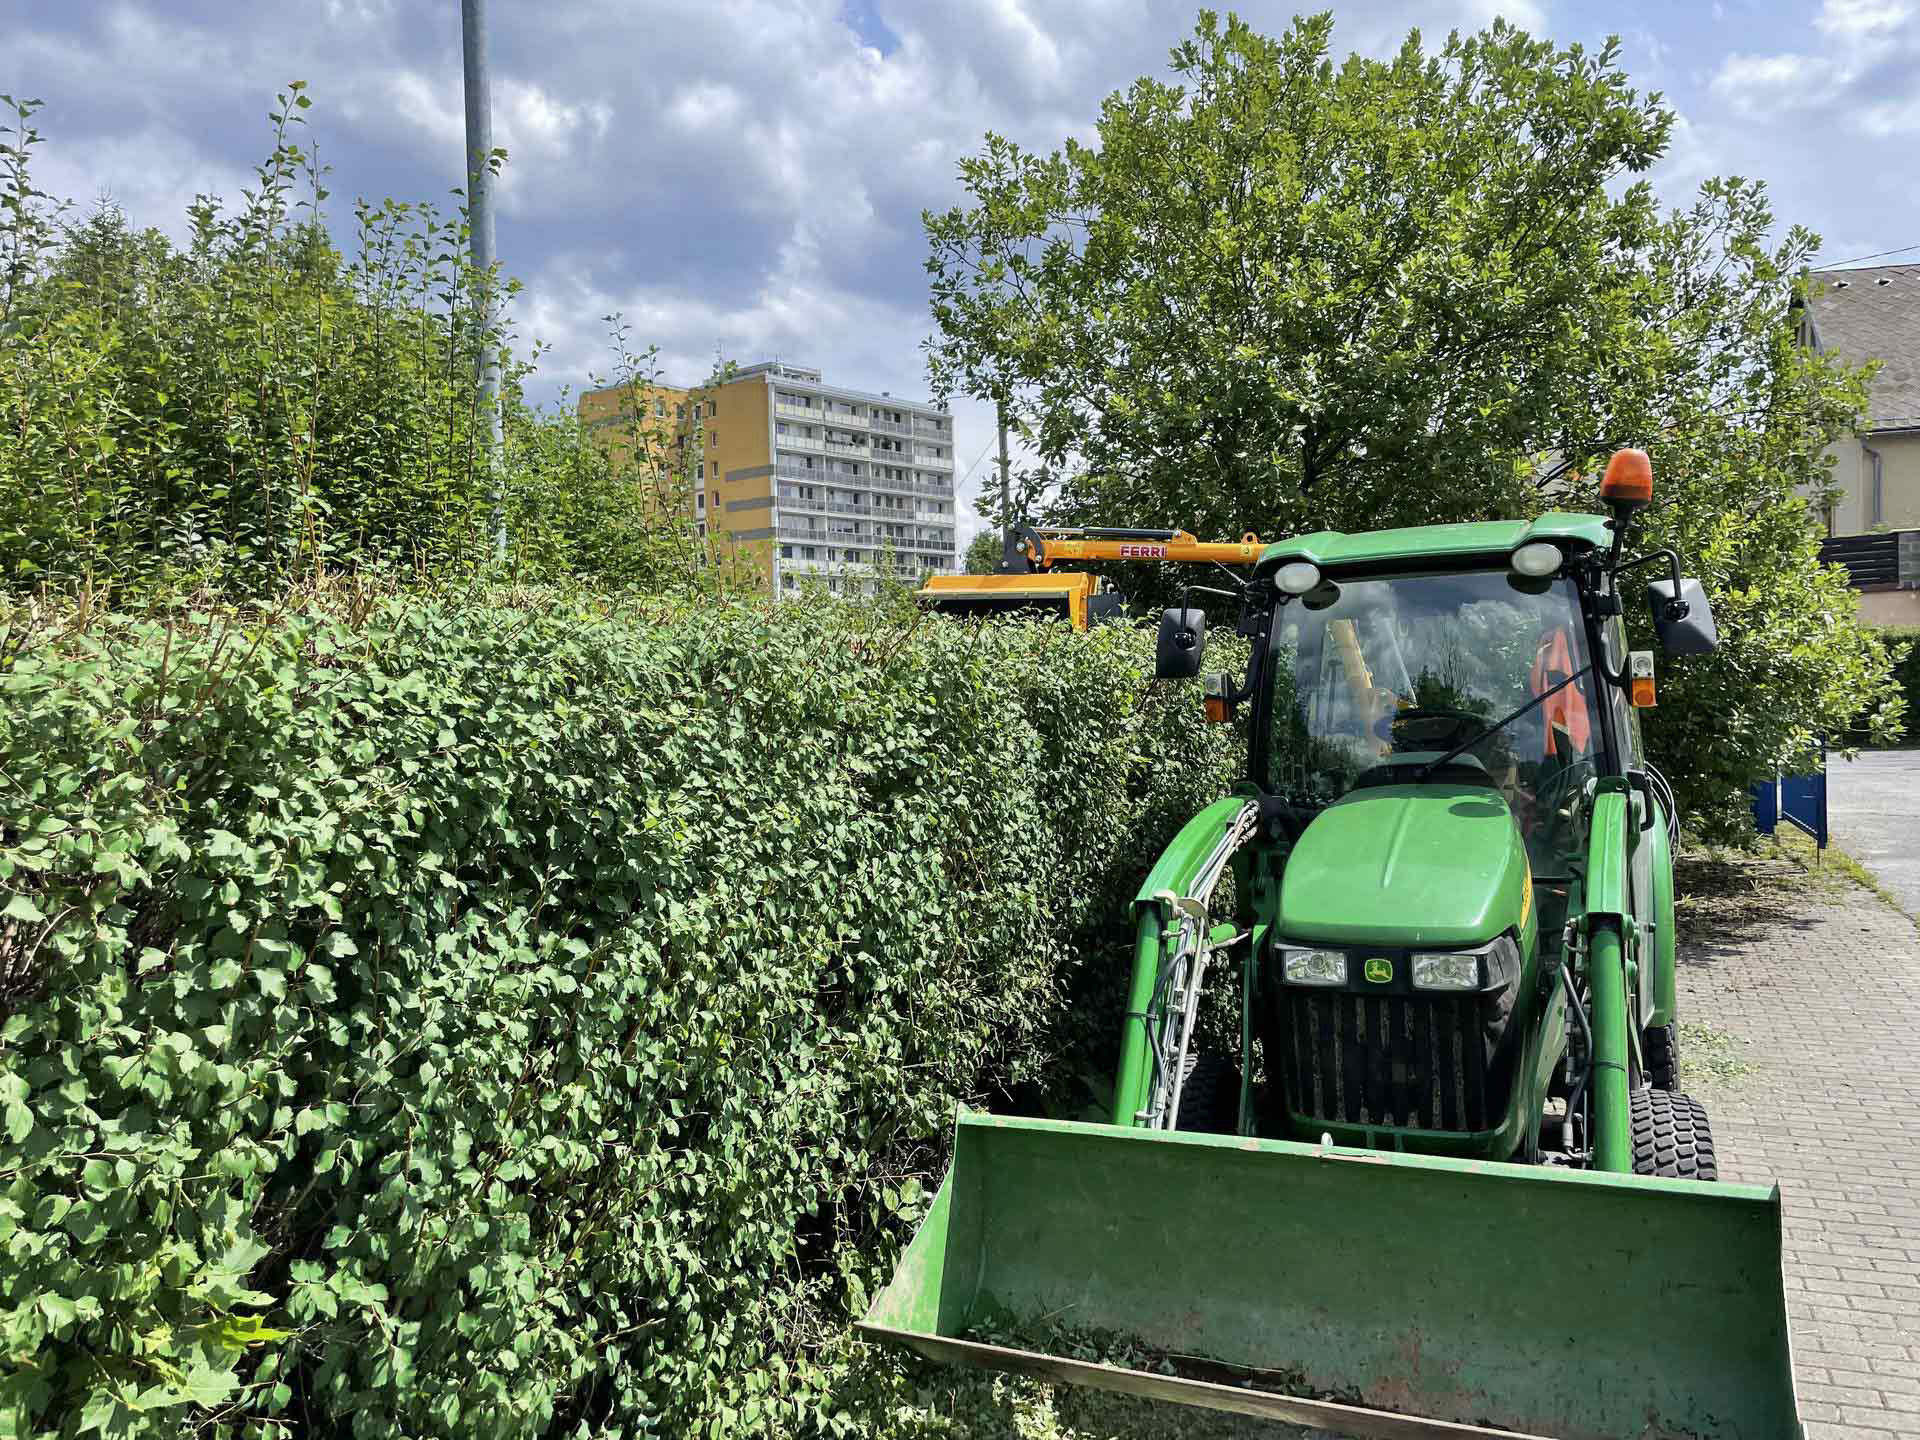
(799,478)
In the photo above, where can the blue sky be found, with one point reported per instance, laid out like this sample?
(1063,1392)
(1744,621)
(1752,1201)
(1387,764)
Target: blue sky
(747,176)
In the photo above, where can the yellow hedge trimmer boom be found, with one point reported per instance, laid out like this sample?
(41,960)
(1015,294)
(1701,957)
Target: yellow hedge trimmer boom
(1033,587)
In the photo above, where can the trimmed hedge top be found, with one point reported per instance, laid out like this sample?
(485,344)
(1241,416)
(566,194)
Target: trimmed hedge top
(518,1021)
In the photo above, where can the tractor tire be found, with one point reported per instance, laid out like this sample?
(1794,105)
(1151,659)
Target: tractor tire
(1671,1137)
(1661,1045)
(1209,1095)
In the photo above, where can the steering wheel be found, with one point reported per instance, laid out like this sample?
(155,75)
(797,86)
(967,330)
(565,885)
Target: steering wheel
(1433,727)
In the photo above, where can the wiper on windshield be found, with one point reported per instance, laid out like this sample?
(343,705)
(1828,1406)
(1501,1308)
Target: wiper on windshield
(1499,725)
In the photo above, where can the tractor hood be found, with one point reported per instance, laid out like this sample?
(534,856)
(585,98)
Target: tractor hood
(1412,866)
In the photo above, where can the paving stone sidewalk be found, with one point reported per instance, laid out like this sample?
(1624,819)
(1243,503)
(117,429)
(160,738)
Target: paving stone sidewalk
(1817,982)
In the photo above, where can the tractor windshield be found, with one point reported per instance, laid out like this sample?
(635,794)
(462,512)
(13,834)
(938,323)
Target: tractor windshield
(1365,671)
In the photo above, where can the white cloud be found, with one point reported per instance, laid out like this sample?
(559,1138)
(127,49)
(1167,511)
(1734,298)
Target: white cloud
(1523,13)
(1861,76)
(1853,19)
(153,175)
(1763,85)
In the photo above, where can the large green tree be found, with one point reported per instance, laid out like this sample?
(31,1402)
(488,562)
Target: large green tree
(983,553)
(1282,294)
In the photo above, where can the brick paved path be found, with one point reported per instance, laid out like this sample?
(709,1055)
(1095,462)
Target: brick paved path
(1823,987)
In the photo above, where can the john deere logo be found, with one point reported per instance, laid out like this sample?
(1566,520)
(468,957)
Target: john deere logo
(1379,970)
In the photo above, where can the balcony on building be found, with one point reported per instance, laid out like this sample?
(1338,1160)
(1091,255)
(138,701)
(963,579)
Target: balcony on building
(791,498)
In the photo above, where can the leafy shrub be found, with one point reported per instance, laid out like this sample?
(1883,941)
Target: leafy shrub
(532,1018)
(1906,670)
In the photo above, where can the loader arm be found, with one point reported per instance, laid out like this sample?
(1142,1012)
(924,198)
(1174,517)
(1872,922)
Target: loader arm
(1172,945)
(1608,921)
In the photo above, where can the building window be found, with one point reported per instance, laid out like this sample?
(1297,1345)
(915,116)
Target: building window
(713,408)
(713,439)
(786,552)
(700,470)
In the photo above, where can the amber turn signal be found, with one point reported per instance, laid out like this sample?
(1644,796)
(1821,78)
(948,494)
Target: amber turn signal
(1629,479)
(1640,672)
(1217,713)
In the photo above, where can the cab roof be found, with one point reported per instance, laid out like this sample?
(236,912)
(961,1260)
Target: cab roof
(1335,550)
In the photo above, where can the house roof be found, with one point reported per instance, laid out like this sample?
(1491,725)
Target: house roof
(1873,313)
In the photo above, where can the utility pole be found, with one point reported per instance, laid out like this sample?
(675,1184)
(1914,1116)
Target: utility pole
(1006,496)
(479,91)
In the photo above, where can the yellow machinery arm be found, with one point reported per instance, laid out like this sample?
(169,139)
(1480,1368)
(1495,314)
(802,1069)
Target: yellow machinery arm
(1049,547)
(1081,599)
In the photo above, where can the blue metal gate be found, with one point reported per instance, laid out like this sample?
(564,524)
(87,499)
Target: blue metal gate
(1800,800)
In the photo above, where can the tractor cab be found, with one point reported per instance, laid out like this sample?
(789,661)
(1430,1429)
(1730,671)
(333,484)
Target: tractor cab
(1372,679)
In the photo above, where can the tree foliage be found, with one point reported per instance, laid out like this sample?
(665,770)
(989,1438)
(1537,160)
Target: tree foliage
(257,407)
(983,553)
(1281,294)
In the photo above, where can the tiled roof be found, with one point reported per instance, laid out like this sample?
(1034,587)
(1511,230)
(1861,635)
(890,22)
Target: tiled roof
(1873,313)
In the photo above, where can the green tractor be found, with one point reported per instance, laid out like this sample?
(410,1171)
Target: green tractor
(1432,1174)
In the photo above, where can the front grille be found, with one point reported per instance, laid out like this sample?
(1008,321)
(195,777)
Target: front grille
(1406,1061)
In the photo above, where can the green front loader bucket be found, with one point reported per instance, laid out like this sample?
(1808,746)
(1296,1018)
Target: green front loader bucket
(1356,1291)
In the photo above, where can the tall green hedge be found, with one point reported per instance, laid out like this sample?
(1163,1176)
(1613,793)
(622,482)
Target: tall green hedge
(1906,672)
(531,1020)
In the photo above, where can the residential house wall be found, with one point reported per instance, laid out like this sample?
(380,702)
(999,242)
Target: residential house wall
(1896,505)
(1871,315)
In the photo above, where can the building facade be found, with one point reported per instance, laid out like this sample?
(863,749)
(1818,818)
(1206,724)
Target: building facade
(799,479)
(1873,527)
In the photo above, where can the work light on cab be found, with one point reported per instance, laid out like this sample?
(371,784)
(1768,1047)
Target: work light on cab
(1296,577)
(1537,560)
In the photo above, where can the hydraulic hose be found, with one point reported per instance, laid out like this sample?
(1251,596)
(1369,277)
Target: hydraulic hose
(1578,1093)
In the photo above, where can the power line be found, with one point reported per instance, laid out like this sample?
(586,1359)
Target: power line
(1836,264)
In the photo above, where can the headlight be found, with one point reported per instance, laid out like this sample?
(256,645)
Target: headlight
(1315,967)
(1446,972)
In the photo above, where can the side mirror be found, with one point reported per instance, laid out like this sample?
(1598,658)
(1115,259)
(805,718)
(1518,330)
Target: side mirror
(1183,640)
(1685,626)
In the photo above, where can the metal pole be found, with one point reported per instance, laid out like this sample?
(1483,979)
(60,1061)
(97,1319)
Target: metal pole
(479,92)
(1006,496)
